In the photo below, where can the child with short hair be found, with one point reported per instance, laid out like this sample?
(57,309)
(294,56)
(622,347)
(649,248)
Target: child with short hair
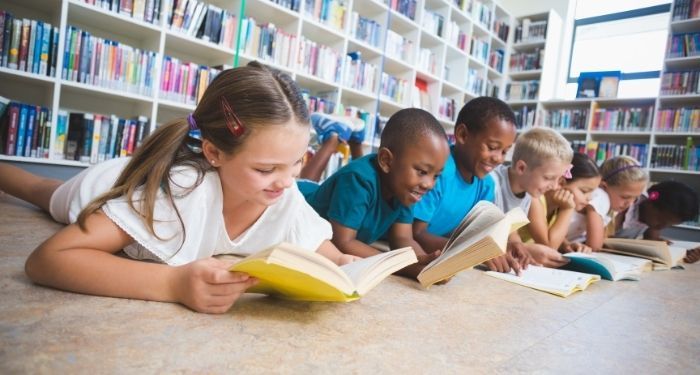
(665,204)
(372,196)
(220,181)
(484,132)
(561,217)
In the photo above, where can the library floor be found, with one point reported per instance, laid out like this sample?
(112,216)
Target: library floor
(473,324)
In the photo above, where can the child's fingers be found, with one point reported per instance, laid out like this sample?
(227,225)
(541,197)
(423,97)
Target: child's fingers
(229,289)
(224,276)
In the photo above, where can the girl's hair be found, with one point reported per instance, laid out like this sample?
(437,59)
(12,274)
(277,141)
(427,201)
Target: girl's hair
(238,102)
(622,170)
(479,111)
(676,198)
(539,145)
(583,167)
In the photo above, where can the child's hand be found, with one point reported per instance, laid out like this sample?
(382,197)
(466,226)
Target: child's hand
(503,263)
(576,248)
(692,255)
(563,199)
(344,259)
(546,256)
(208,286)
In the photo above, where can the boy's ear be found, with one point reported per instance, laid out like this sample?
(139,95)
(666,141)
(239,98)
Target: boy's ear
(461,133)
(212,153)
(384,158)
(520,166)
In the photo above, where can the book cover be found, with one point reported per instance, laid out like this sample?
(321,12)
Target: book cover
(611,267)
(13,125)
(290,272)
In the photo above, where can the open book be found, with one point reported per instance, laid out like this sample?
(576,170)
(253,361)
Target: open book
(290,272)
(659,252)
(482,235)
(558,282)
(612,267)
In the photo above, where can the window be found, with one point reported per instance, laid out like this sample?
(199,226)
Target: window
(631,40)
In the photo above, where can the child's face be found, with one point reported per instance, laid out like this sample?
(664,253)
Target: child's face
(477,154)
(582,189)
(412,172)
(266,164)
(657,219)
(539,180)
(622,196)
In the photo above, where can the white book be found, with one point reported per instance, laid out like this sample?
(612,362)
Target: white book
(558,282)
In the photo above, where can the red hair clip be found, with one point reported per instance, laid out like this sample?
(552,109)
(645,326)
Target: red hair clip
(234,124)
(653,195)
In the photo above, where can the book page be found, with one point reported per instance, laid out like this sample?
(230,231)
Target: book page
(554,281)
(481,217)
(657,251)
(368,272)
(608,266)
(686,245)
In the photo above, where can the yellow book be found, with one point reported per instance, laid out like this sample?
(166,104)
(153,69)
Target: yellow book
(482,235)
(558,282)
(663,255)
(290,272)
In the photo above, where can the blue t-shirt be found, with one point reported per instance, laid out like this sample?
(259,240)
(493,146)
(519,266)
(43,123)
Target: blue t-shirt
(444,207)
(352,197)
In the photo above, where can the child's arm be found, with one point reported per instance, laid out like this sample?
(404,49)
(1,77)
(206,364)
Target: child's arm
(555,235)
(595,229)
(84,262)
(345,239)
(401,235)
(328,250)
(425,239)
(653,234)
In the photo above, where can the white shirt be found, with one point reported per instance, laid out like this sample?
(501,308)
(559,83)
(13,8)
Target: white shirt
(503,195)
(600,201)
(290,219)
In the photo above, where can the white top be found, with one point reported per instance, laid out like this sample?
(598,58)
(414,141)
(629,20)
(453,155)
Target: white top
(600,201)
(631,226)
(503,195)
(290,219)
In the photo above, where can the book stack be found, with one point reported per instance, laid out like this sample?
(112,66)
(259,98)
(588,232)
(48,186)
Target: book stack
(448,108)
(267,42)
(522,90)
(685,9)
(570,119)
(685,119)
(522,61)
(92,138)
(405,7)
(501,29)
(323,103)
(397,46)
(319,60)
(427,61)
(479,49)
(292,5)
(524,117)
(496,59)
(329,12)
(204,21)
(366,30)
(28,45)
(686,157)
(456,36)
(492,89)
(623,119)
(680,83)
(475,83)
(482,12)
(601,151)
(530,31)
(106,63)
(185,82)
(433,22)
(142,10)
(25,130)
(359,74)
(394,88)
(683,45)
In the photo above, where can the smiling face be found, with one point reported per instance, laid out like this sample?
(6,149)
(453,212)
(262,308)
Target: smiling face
(410,173)
(582,189)
(540,179)
(622,196)
(266,164)
(477,154)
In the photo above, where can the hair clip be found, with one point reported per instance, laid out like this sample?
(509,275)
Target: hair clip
(194,133)
(567,173)
(653,195)
(234,124)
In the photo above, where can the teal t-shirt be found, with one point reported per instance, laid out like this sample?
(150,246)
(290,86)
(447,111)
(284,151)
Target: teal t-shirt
(444,207)
(352,197)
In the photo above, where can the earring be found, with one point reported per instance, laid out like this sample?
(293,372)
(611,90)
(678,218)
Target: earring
(212,163)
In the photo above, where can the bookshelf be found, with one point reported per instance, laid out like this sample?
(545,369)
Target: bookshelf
(355,55)
(533,64)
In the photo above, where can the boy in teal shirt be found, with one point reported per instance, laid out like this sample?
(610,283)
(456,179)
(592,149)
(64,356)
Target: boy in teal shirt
(372,197)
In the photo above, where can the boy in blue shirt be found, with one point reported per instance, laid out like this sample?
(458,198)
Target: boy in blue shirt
(372,196)
(484,132)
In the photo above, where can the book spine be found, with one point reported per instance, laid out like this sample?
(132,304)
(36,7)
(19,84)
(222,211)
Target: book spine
(13,126)
(21,130)
(24,44)
(16,36)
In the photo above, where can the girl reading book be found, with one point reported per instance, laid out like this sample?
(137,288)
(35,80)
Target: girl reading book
(220,181)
